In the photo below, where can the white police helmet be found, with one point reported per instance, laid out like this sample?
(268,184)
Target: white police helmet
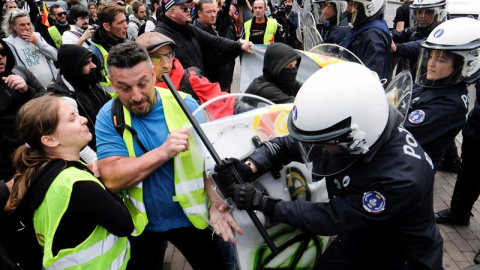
(366,10)
(427,14)
(455,46)
(338,114)
(339,5)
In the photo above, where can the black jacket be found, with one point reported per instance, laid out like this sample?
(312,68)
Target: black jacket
(10,103)
(472,128)
(277,56)
(90,97)
(436,116)
(402,181)
(193,43)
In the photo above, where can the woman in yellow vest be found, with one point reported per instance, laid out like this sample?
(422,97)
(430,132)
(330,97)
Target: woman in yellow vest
(77,223)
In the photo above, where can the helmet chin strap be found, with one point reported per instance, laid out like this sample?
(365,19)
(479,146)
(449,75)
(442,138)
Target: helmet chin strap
(355,146)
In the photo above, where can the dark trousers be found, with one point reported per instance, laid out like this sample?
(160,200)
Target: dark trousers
(343,254)
(467,187)
(196,245)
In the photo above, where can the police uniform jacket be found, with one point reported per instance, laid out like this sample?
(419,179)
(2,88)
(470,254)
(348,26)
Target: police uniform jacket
(472,128)
(436,116)
(383,205)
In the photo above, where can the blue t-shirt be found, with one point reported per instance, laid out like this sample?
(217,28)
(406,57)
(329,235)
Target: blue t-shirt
(158,188)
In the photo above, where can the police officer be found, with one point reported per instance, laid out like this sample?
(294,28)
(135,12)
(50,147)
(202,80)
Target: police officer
(426,15)
(334,23)
(369,39)
(439,104)
(379,181)
(467,187)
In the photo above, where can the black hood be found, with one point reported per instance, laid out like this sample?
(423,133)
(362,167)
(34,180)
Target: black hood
(277,56)
(10,58)
(71,59)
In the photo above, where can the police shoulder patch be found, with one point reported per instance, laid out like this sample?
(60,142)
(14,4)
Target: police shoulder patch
(416,117)
(373,202)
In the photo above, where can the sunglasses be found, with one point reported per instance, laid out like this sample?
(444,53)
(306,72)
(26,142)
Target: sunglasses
(160,57)
(185,8)
(3,52)
(60,14)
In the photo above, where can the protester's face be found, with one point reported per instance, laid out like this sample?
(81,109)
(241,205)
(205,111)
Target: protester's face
(259,9)
(291,64)
(162,60)
(288,3)
(424,17)
(60,15)
(439,66)
(89,67)
(22,24)
(142,13)
(118,28)
(3,59)
(134,87)
(93,9)
(72,130)
(181,14)
(328,10)
(82,22)
(208,15)
(10,5)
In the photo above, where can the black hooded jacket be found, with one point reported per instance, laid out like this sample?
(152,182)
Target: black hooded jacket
(10,103)
(90,96)
(268,86)
(193,43)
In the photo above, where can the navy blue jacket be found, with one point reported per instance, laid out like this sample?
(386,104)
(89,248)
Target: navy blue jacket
(333,33)
(436,116)
(400,173)
(472,128)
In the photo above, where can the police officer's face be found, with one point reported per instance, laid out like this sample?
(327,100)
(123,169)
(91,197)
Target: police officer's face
(352,7)
(259,9)
(439,66)
(208,14)
(134,87)
(162,60)
(424,17)
(328,10)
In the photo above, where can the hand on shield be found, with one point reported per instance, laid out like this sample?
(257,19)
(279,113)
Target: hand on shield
(225,177)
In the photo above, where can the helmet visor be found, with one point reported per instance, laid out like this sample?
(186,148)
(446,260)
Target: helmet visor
(327,158)
(438,68)
(427,18)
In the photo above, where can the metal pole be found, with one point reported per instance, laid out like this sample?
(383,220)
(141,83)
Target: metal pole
(218,160)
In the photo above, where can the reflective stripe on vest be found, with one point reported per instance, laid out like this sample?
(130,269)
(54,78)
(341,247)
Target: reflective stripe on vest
(189,188)
(270,30)
(100,250)
(105,82)
(55,35)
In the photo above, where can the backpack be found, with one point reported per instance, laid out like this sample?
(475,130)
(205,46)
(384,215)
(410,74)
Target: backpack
(141,29)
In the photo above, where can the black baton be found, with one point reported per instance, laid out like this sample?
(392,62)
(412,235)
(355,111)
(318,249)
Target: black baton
(218,160)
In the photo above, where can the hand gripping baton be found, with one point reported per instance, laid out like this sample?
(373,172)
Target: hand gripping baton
(218,160)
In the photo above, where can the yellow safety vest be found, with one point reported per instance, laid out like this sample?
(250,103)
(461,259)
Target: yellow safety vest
(270,30)
(105,82)
(101,250)
(189,189)
(55,35)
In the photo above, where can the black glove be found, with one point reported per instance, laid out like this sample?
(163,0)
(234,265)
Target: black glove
(225,178)
(246,197)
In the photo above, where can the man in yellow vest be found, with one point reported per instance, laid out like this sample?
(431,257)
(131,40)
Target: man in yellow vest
(260,29)
(156,166)
(61,25)
(112,31)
